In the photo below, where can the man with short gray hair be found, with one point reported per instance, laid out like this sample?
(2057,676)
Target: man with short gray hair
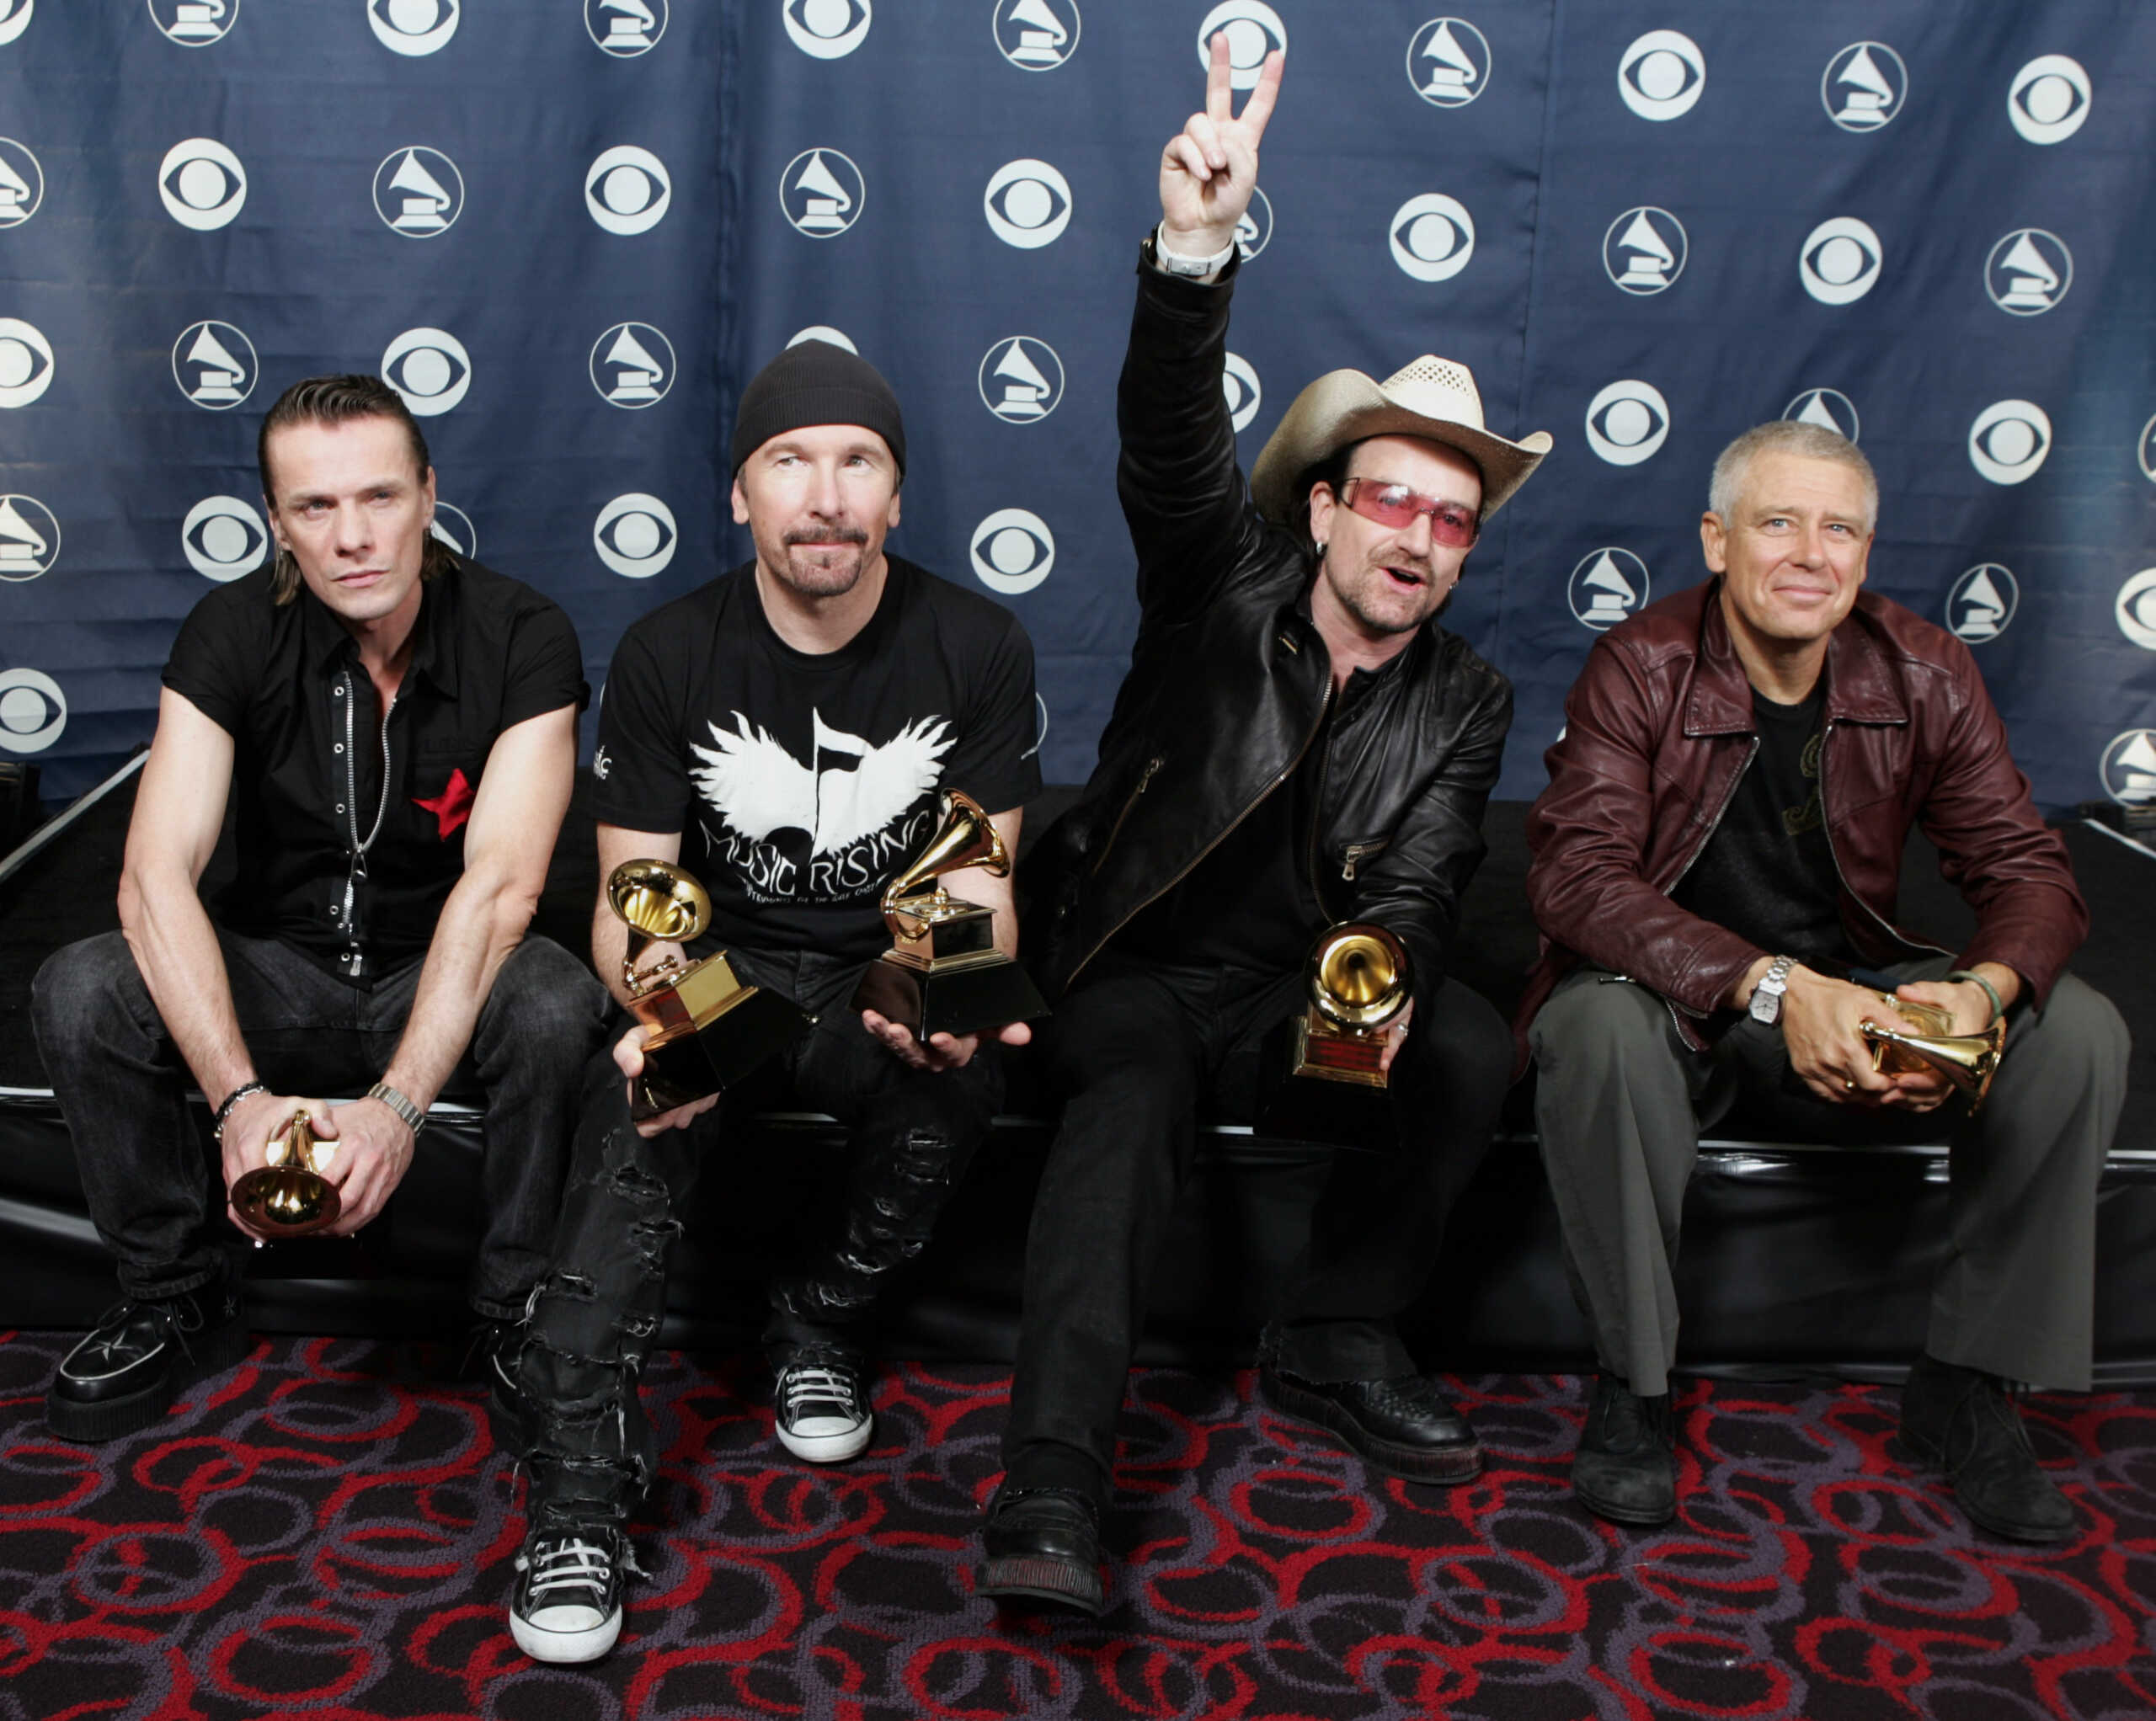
(1716,861)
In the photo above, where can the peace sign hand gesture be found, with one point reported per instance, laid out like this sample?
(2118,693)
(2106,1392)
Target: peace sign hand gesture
(1209,168)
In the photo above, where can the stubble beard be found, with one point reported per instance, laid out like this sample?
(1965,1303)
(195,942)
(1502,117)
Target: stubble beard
(824,564)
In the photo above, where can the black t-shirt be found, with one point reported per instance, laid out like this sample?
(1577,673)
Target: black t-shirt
(802,781)
(1767,873)
(487,653)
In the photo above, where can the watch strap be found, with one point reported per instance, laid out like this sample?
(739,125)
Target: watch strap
(1766,1005)
(414,1119)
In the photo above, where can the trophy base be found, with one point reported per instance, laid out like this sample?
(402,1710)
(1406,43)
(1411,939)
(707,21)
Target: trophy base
(685,1062)
(1324,1089)
(960,997)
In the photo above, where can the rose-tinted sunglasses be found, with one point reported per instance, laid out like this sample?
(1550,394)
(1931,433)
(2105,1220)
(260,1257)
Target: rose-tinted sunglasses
(1396,505)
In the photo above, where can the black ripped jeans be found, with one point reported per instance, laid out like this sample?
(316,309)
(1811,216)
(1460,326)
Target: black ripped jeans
(598,1307)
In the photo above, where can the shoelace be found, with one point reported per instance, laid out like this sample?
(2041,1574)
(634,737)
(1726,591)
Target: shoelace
(809,1383)
(573,1564)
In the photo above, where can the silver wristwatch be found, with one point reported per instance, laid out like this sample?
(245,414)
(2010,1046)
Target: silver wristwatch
(1767,995)
(414,1119)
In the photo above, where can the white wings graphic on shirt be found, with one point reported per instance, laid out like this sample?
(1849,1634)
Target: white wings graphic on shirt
(758,787)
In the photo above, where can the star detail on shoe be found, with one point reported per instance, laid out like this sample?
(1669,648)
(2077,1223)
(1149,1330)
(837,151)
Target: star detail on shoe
(453,805)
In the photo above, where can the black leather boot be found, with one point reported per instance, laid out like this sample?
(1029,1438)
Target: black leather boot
(1043,1544)
(1965,1422)
(123,1377)
(1406,1427)
(1626,1468)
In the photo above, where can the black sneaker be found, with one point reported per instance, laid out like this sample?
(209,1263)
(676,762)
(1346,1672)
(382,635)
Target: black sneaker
(566,1606)
(123,1377)
(821,1405)
(1405,1427)
(1964,1422)
(1042,1544)
(1626,1468)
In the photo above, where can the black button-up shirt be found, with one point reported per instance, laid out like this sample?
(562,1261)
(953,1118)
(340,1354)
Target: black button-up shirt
(315,763)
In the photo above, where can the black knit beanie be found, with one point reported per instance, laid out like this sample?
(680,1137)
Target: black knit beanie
(816,383)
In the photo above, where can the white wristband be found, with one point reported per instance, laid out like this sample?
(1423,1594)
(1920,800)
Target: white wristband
(1175,262)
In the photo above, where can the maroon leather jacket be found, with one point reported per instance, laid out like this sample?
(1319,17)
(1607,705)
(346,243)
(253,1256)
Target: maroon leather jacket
(1659,728)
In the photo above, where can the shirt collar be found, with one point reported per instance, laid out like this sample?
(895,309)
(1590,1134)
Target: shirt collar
(328,646)
(1860,686)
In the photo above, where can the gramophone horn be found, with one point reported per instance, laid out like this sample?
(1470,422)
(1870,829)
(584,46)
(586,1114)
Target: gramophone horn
(967,837)
(290,1196)
(1968,1061)
(1358,976)
(661,904)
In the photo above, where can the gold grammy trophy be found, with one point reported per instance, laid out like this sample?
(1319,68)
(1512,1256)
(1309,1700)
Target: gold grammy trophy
(704,1029)
(288,1196)
(944,973)
(1929,1045)
(1320,1080)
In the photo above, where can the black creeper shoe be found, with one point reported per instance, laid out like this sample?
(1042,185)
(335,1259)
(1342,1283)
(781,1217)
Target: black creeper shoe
(123,1376)
(1042,1544)
(566,1606)
(1964,1422)
(1626,1468)
(1406,1427)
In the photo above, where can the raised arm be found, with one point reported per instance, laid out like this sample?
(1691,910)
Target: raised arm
(1181,491)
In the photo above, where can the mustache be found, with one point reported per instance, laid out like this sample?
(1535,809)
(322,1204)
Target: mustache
(825,535)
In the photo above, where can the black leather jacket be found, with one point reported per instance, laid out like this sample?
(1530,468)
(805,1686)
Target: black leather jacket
(1229,684)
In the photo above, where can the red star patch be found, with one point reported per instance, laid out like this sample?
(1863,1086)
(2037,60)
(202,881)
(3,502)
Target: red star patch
(453,805)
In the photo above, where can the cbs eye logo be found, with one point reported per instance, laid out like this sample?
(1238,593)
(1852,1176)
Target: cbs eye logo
(1661,75)
(430,368)
(30,538)
(21,184)
(635,535)
(1036,35)
(1239,384)
(1027,204)
(822,192)
(33,710)
(25,363)
(2146,453)
(1253,30)
(14,19)
(1839,261)
(625,28)
(2049,99)
(824,332)
(2136,609)
(411,27)
(827,30)
(2008,440)
(222,538)
(626,190)
(1627,421)
(1431,237)
(202,184)
(1013,551)
(453,527)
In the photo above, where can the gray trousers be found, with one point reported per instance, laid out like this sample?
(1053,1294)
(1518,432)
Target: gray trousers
(1622,1098)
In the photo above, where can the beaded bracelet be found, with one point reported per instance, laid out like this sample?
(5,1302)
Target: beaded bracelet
(232,1099)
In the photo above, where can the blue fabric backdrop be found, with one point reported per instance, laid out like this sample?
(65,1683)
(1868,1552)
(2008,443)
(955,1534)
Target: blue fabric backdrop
(570,229)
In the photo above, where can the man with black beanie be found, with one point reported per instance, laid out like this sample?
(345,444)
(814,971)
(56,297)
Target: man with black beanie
(785,733)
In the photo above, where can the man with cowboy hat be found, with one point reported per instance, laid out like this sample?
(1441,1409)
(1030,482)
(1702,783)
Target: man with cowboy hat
(1298,744)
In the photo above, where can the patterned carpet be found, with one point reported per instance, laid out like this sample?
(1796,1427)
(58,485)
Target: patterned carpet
(328,1531)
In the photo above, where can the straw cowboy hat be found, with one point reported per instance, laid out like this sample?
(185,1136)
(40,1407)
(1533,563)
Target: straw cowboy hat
(1430,398)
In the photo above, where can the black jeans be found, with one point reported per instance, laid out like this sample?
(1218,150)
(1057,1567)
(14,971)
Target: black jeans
(912,1134)
(150,1182)
(1135,1050)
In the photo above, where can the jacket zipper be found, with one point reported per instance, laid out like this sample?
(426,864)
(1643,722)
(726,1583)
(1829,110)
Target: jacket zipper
(1129,807)
(1354,855)
(1891,931)
(1324,705)
(1677,1013)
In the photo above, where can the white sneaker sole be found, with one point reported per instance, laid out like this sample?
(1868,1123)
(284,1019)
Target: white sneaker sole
(565,1647)
(828,1448)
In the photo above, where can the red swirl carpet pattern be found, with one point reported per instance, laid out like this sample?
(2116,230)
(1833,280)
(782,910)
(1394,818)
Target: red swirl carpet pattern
(326,1531)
